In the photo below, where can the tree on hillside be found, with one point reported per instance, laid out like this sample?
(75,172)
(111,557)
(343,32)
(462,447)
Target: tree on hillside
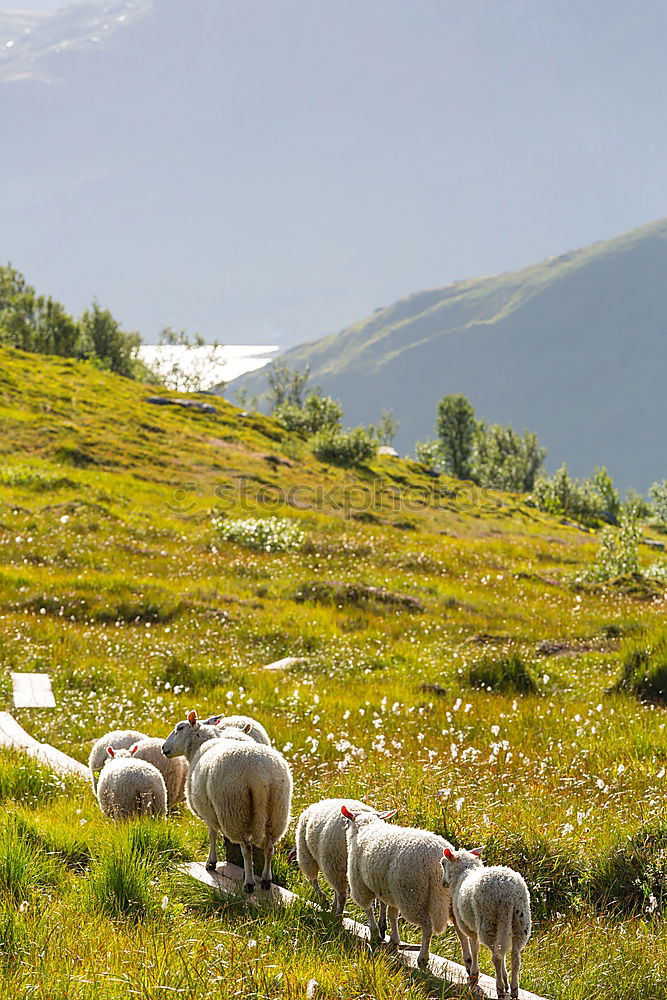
(386,427)
(317,413)
(287,385)
(456,430)
(34,322)
(103,339)
(504,460)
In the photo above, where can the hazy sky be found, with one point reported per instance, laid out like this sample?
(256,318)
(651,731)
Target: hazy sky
(279,169)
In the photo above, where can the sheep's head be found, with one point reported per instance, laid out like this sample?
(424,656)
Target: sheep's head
(113,754)
(452,861)
(365,816)
(176,743)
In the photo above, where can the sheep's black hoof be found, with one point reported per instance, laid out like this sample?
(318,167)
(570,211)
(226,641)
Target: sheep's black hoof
(249,888)
(266,883)
(210,867)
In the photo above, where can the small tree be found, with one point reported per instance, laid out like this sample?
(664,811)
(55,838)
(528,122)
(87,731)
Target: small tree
(428,453)
(658,495)
(192,366)
(503,460)
(386,427)
(103,339)
(456,430)
(317,413)
(618,554)
(286,385)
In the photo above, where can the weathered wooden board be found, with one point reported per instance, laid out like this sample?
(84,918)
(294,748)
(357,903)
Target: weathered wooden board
(286,663)
(12,735)
(32,691)
(228,879)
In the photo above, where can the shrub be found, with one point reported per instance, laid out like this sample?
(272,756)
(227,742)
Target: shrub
(569,497)
(343,447)
(632,876)
(268,534)
(618,553)
(658,496)
(317,413)
(428,453)
(645,671)
(456,428)
(506,673)
(503,460)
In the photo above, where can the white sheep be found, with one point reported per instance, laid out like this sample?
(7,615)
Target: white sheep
(238,787)
(129,787)
(400,866)
(491,905)
(321,846)
(256,730)
(173,771)
(120,739)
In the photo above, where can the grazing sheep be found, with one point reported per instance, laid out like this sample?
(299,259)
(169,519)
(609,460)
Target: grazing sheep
(321,845)
(400,866)
(174,771)
(256,730)
(491,905)
(129,787)
(238,787)
(120,739)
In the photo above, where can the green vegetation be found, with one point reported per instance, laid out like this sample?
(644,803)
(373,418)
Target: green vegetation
(456,429)
(645,670)
(354,447)
(115,579)
(505,673)
(587,500)
(268,534)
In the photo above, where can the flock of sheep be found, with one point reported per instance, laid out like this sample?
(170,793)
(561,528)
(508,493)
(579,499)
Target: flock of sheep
(241,786)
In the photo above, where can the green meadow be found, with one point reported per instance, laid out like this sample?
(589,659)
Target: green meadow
(451,663)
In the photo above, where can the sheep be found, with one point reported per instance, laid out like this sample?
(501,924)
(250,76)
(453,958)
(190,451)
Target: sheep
(238,787)
(491,905)
(129,787)
(256,730)
(321,845)
(174,771)
(120,739)
(400,866)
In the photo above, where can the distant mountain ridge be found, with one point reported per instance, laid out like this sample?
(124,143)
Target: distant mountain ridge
(573,347)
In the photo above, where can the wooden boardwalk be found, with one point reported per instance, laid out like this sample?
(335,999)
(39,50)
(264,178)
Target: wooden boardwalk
(32,691)
(12,735)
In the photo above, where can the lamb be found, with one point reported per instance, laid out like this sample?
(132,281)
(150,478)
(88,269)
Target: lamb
(400,866)
(129,787)
(174,771)
(491,905)
(256,730)
(238,787)
(120,739)
(321,845)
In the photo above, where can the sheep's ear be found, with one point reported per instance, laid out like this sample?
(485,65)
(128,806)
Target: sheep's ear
(247,727)
(192,718)
(447,853)
(111,751)
(134,749)
(388,814)
(477,851)
(346,813)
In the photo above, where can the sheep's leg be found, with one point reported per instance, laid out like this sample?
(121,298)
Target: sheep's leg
(425,950)
(473,972)
(267,874)
(516,965)
(321,898)
(501,973)
(212,860)
(394,936)
(465,947)
(382,920)
(372,926)
(249,875)
(339,901)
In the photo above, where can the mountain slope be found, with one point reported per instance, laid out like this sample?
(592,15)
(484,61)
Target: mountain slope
(572,348)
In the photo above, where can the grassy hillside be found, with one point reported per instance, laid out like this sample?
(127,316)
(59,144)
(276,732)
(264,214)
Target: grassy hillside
(115,581)
(564,348)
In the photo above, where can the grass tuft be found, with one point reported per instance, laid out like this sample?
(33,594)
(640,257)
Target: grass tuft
(505,674)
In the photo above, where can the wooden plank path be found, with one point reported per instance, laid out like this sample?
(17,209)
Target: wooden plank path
(228,879)
(12,735)
(32,691)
